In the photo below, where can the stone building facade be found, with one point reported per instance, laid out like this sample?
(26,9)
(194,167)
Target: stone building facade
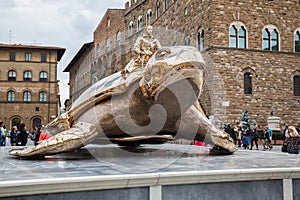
(252,50)
(80,67)
(28,84)
(99,58)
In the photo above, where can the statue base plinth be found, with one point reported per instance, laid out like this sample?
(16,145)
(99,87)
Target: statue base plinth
(274,123)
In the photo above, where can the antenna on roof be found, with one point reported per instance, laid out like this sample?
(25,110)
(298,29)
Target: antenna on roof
(10,36)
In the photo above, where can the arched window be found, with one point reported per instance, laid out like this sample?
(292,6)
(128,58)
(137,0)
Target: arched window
(237,36)
(200,38)
(27,96)
(149,17)
(297,41)
(43,96)
(247,83)
(270,39)
(166,4)
(187,41)
(43,76)
(27,76)
(12,75)
(98,50)
(118,39)
(130,29)
(11,96)
(157,10)
(139,23)
(296,81)
(36,122)
(16,122)
(107,45)
(108,22)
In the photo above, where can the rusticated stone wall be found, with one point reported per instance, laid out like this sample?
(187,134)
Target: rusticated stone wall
(272,71)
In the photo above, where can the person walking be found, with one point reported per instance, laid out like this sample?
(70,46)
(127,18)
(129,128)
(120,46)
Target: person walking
(254,137)
(267,138)
(22,135)
(13,136)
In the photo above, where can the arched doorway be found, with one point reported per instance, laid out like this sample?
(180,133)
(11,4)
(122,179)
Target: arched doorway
(16,121)
(36,121)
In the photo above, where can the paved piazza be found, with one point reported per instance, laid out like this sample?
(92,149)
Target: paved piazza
(101,160)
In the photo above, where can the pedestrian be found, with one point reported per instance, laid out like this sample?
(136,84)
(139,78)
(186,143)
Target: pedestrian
(228,129)
(285,131)
(294,140)
(1,134)
(13,136)
(254,137)
(267,138)
(239,136)
(41,135)
(22,135)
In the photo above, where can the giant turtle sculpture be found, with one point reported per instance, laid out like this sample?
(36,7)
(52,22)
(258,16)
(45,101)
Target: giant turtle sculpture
(139,105)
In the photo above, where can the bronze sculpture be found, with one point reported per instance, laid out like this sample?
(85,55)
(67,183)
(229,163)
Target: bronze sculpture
(139,105)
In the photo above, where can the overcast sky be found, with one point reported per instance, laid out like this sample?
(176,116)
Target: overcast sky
(67,24)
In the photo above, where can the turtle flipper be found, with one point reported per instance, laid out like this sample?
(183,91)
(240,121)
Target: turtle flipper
(69,140)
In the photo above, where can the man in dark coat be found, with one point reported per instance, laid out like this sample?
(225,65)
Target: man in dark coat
(22,135)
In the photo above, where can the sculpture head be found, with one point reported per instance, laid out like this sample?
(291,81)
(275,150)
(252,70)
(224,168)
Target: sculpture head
(149,30)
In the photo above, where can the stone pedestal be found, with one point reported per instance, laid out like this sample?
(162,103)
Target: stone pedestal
(274,123)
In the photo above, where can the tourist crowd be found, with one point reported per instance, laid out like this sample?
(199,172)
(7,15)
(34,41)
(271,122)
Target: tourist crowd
(18,136)
(249,137)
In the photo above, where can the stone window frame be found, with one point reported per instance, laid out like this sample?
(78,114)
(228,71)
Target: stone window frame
(107,45)
(139,24)
(28,57)
(12,75)
(200,39)
(130,28)
(108,22)
(187,41)
(118,39)
(98,50)
(296,76)
(166,5)
(43,76)
(12,56)
(27,75)
(251,72)
(238,25)
(149,17)
(36,121)
(16,120)
(11,95)
(158,11)
(27,97)
(270,29)
(297,32)
(42,96)
(43,57)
